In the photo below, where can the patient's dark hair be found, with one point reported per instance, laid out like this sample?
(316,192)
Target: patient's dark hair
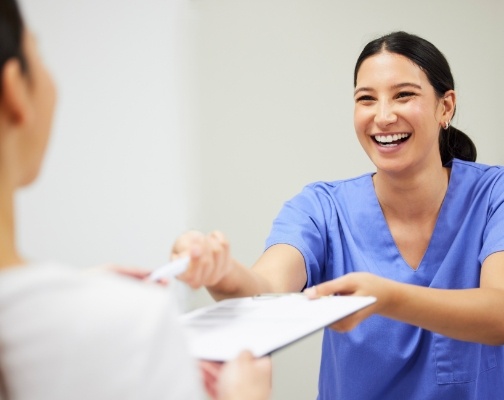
(453,143)
(11,33)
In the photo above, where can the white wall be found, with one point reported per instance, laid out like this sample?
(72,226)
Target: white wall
(275,102)
(113,187)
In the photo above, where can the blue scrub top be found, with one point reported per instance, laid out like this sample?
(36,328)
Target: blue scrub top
(339,228)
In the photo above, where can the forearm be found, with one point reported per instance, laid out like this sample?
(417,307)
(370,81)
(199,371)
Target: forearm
(280,269)
(241,281)
(470,314)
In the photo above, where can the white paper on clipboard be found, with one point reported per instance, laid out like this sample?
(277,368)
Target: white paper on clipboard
(263,324)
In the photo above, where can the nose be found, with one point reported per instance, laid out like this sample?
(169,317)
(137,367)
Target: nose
(385,114)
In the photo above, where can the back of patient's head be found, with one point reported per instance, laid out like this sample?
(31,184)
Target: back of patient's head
(11,32)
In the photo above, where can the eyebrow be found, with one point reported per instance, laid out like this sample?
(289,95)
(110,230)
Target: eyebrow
(398,86)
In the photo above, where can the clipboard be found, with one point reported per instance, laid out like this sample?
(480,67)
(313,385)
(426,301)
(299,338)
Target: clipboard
(262,324)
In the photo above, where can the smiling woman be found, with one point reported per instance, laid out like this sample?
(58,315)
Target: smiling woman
(393,97)
(421,54)
(424,234)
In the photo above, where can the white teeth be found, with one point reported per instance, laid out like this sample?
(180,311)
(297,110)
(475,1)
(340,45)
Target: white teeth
(390,138)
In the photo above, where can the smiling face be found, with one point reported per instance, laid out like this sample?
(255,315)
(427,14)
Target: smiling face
(397,114)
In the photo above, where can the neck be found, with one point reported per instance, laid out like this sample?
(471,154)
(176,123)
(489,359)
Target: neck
(412,197)
(8,253)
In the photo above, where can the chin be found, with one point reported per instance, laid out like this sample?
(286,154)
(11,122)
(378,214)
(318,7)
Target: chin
(30,177)
(390,166)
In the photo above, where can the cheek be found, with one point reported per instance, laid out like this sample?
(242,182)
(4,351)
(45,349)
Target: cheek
(419,114)
(362,118)
(46,99)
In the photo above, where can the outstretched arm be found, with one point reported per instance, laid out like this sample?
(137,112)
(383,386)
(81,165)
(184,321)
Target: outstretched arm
(470,314)
(281,268)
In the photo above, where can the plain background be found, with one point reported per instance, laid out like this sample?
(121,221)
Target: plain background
(209,114)
(113,185)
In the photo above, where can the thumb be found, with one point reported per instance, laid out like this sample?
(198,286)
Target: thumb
(336,286)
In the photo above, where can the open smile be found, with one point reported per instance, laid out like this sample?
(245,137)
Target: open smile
(390,140)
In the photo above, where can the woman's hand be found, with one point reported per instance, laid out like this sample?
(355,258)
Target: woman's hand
(210,257)
(210,371)
(139,273)
(245,378)
(357,284)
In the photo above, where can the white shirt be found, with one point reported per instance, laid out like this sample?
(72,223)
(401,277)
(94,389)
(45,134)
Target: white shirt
(66,335)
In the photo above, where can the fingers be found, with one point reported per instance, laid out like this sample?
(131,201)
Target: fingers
(209,257)
(265,368)
(261,365)
(130,271)
(219,247)
(210,372)
(356,284)
(182,245)
(245,378)
(343,286)
(350,322)
(245,357)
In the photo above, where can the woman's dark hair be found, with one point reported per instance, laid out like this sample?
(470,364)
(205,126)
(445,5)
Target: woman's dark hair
(11,33)
(453,143)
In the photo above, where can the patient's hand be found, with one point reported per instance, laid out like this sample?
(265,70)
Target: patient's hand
(210,371)
(130,271)
(244,378)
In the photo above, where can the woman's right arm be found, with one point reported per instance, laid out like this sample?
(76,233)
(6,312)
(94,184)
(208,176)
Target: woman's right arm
(280,268)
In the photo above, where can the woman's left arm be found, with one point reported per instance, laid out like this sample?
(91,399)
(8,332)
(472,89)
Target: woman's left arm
(473,315)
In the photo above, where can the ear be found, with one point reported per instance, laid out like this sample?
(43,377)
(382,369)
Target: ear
(449,101)
(15,98)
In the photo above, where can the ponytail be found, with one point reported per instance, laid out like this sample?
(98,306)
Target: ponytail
(454,143)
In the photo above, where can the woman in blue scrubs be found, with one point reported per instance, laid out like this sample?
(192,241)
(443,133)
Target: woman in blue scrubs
(424,234)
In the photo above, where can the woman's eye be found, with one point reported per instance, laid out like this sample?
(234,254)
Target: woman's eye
(364,98)
(403,95)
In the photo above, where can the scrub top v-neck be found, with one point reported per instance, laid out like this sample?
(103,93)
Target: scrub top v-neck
(339,228)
